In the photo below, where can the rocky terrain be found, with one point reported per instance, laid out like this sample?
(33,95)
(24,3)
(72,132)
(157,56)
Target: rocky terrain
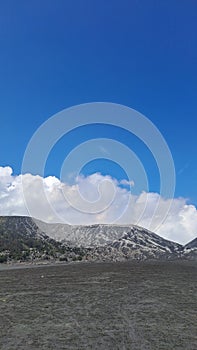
(25,239)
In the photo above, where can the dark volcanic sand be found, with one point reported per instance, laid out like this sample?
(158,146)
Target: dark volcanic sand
(99,306)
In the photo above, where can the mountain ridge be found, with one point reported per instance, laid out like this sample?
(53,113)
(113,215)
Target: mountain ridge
(86,242)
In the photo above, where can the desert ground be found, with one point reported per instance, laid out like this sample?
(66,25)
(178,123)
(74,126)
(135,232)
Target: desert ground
(134,305)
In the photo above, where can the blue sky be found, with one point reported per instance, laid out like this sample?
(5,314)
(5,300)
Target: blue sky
(142,54)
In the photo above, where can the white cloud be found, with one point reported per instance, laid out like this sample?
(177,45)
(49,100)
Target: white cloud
(92,199)
(127,183)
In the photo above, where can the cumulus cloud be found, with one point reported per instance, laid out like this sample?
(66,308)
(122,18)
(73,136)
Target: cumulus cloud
(127,183)
(95,199)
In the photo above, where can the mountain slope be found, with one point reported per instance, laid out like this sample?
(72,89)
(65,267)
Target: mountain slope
(22,239)
(103,234)
(192,244)
(138,244)
(190,249)
(84,235)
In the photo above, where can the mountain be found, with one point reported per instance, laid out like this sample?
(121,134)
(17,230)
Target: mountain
(191,245)
(24,238)
(114,242)
(21,239)
(140,244)
(190,249)
(105,234)
(84,235)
